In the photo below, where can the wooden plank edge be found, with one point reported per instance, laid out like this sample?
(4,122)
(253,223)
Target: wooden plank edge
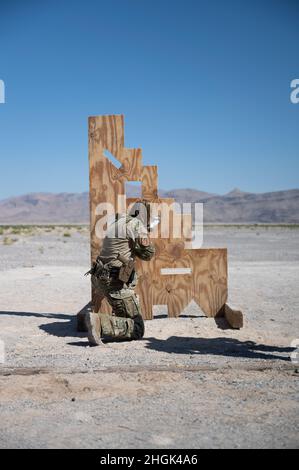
(233,317)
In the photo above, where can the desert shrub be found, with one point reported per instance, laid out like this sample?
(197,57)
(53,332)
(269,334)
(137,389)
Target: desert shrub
(9,241)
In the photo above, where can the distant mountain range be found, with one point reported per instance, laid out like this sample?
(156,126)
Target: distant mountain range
(235,207)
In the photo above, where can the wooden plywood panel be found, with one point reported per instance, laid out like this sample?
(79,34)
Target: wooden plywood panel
(107,182)
(145,287)
(173,291)
(209,288)
(149,178)
(233,317)
(106,132)
(207,283)
(131,168)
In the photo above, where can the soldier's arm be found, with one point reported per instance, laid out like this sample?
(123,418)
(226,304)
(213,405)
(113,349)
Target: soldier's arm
(144,248)
(141,244)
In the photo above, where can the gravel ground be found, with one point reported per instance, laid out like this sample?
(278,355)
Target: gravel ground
(191,382)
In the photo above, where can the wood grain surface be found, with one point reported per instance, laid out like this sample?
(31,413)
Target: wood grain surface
(207,282)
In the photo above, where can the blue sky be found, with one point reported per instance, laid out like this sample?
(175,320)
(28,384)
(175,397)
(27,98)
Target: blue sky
(204,87)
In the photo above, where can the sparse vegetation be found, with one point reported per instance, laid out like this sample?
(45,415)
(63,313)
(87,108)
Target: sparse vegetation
(29,230)
(249,226)
(16,230)
(9,241)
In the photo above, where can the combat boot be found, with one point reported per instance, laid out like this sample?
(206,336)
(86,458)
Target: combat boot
(94,329)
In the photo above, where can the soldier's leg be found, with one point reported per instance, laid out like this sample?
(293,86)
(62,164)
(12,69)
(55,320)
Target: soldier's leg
(92,320)
(126,321)
(115,327)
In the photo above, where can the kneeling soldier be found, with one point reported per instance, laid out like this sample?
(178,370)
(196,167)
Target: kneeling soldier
(113,277)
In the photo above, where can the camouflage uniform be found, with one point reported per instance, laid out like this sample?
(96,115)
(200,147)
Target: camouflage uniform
(123,238)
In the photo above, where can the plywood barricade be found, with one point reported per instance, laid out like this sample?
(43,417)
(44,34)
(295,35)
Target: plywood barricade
(206,279)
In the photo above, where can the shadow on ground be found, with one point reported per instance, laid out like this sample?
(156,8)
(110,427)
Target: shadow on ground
(64,328)
(230,347)
(59,316)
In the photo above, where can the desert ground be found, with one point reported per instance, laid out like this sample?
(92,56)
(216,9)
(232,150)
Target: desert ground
(190,383)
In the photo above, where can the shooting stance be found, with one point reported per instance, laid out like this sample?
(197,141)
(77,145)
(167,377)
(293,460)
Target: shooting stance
(113,277)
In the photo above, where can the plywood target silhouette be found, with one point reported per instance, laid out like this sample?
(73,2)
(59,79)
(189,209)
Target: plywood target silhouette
(205,279)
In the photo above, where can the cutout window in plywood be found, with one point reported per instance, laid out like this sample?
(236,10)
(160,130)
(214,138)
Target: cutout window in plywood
(176,271)
(133,189)
(112,159)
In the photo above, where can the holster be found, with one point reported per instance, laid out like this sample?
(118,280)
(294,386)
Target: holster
(126,269)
